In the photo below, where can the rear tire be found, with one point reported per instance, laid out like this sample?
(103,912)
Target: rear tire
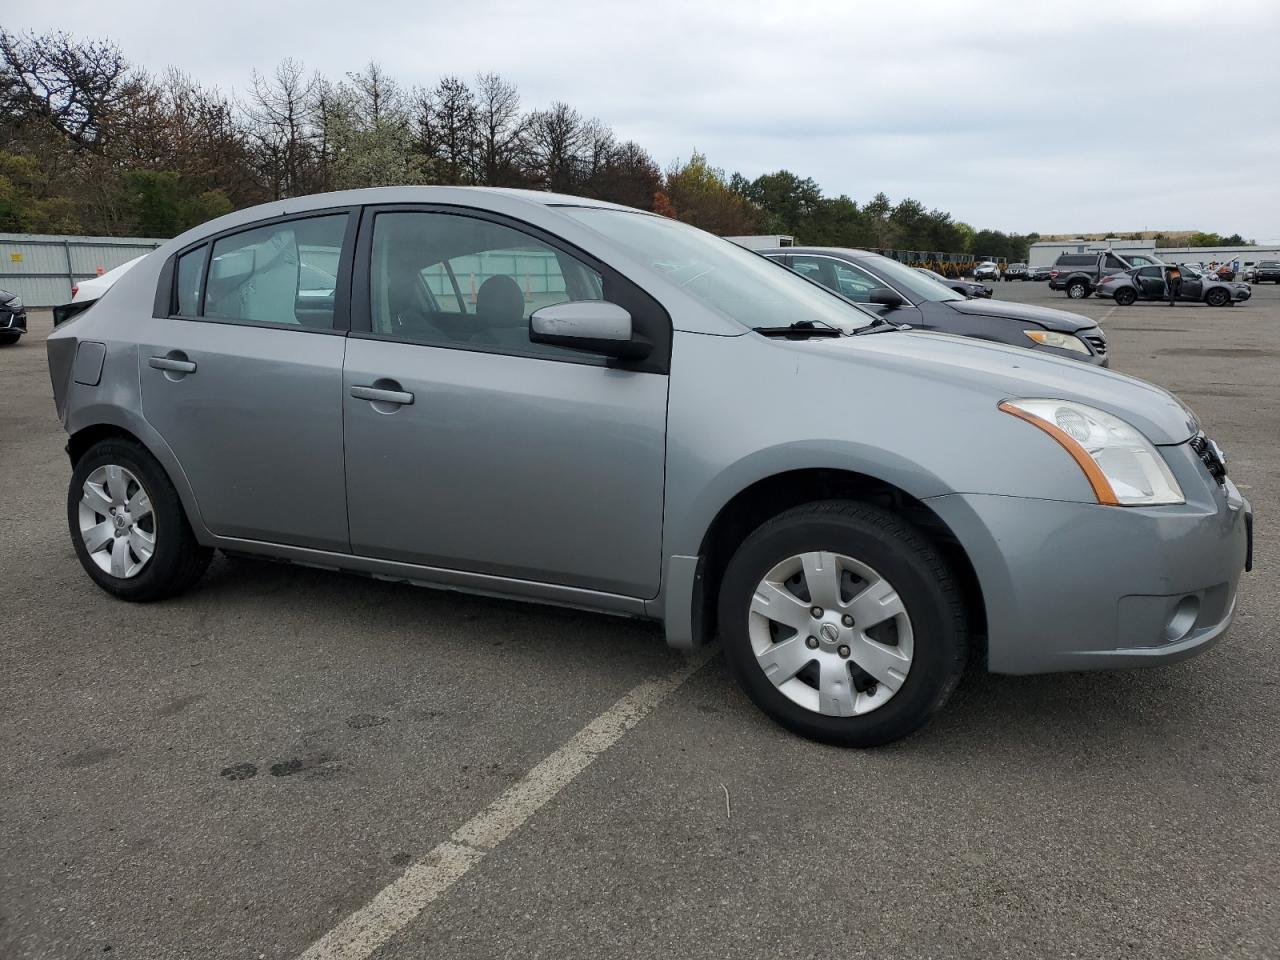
(909,630)
(128,526)
(1125,297)
(1077,289)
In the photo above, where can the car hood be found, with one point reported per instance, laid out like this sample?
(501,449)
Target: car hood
(1047,317)
(1005,372)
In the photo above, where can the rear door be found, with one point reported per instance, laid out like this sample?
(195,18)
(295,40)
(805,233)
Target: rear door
(1151,285)
(242,376)
(470,448)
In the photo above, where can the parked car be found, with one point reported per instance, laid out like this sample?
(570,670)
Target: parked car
(987,270)
(1265,271)
(966,288)
(1078,273)
(87,292)
(1040,274)
(13,318)
(901,294)
(1016,271)
(663,425)
(1148,283)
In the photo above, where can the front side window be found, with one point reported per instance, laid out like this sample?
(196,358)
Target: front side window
(846,280)
(454,280)
(284,273)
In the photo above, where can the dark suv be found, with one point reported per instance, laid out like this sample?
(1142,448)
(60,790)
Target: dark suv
(1267,270)
(1016,271)
(1079,273)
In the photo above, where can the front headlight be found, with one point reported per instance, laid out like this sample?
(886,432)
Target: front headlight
(1121,465)
(15,304)
(1063,341)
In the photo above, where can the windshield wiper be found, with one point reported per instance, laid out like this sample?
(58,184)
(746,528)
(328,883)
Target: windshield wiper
(881,325)
(799,330)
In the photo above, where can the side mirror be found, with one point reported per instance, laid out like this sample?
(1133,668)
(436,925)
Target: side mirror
(885,297)
(593,326)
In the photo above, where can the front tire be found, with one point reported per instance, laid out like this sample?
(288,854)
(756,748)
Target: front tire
(1217,297)
(8,338)
(128,525)
(843,622)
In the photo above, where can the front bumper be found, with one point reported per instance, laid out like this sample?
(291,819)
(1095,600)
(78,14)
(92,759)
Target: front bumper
(1077,586)
(13,321)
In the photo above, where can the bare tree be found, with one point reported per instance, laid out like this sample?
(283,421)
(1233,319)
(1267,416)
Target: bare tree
(453,123)
(279,113)
(556,143)
(500,132)
(73,87)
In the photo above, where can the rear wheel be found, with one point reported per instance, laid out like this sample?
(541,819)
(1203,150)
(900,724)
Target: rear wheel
(843,623)
(1217,297)
(128,526)
(1077,289)
(1125,296)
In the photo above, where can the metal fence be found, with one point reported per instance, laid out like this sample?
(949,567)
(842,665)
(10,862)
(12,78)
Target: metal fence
(43,269)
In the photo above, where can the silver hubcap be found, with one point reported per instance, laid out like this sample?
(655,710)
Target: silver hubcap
(116,522)
(831,634)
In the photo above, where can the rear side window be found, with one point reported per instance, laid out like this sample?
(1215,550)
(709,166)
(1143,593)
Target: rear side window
(190,276)
(285,273)
(1115,263)
(1074,260)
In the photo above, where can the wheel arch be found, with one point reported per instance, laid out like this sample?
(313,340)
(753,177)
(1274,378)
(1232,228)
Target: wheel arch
(105,423)
(771,495)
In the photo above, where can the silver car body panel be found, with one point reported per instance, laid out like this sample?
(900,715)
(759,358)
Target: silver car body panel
(591,486)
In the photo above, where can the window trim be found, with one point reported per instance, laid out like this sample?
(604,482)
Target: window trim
(650,320)
(166,301)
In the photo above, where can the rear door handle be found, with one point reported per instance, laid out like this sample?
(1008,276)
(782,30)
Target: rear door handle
(177,366)
(378,395)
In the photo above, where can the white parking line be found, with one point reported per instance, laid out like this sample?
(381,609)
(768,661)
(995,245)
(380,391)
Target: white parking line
(1106,316)
(401,901)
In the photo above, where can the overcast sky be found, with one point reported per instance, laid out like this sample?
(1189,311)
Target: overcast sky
(1056,117)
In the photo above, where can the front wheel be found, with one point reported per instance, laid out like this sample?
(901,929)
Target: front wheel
(1077,289)
(843,622)
(1217,297)
(1126,296)
(8,338)
(128,525)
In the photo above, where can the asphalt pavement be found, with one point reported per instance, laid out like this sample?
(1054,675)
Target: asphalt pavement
(241,771)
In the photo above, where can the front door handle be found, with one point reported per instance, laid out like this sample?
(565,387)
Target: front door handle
(401,398)
(172,364)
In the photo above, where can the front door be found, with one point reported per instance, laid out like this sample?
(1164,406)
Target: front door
(472,449)
(244,378)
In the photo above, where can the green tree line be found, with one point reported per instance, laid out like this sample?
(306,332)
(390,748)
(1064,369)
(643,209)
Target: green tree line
(92,144)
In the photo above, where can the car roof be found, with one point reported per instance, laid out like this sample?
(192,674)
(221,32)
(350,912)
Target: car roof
(849,253)
(496,199)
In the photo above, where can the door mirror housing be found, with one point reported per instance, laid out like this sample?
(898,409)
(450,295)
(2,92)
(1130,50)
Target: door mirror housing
(593,326)
(885,297)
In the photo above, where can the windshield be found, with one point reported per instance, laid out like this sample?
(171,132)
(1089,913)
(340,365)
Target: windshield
(743,286)
(908,279)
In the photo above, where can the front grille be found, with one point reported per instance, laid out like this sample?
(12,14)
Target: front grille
(1098,342)
(1210,456)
